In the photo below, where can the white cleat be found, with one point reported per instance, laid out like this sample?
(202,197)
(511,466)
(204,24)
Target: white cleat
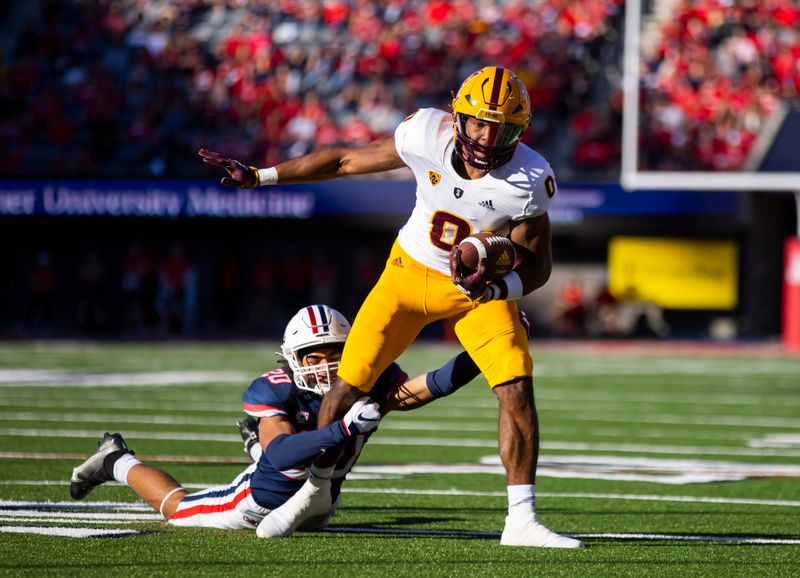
(311,501)
(527,530)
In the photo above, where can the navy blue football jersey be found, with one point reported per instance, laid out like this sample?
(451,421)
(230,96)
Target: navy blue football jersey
(274,393)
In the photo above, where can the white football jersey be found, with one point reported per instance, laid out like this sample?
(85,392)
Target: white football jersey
(449,207)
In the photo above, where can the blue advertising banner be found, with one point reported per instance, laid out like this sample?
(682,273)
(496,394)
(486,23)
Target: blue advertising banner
(194,198)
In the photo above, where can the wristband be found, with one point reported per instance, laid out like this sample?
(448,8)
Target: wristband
(508,288)
(513,286)
(267,176)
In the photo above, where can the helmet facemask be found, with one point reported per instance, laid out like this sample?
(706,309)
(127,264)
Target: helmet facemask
(503,140)
(315,327)
(493,96)
(316,377)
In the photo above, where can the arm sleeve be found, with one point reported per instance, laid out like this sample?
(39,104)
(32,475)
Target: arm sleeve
(289,451)
(454,374)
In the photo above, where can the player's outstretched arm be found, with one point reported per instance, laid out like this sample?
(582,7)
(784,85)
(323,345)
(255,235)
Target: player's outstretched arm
(288,451)
(423,389)
(378,156)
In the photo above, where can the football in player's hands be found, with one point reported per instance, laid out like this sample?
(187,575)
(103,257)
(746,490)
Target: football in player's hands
(480,259)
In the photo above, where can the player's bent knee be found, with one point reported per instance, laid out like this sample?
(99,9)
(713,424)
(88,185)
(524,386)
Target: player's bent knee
(515,392)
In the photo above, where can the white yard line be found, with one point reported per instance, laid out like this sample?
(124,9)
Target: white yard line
(61,378)
(11,505)
(445,412)
(599,447)
(85,516)
(73,505)
(776,440)
(69,532)
(395,422)
(155,404)
(612,536)
(116,418)
(555,394)
(482,398)
(636,497)
(597,467)
(145,435)
(439,442)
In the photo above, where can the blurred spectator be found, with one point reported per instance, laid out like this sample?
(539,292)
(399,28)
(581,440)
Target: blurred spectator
(605,319)
(295,281)
(138,290)
(91,312)
(262,319)
(176,293)
(229,291)
(134,268)
(569,315)
(325,279)
(640,317)
(366,272)
(41,284)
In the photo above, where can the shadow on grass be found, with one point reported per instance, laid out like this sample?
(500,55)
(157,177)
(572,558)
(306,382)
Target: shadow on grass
(654,539)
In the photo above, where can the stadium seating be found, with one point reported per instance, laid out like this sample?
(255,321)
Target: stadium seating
(133,88)
(715,78)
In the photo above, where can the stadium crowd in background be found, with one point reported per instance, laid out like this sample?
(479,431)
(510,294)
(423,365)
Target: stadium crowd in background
(151,290)
(718,73)
(133,88)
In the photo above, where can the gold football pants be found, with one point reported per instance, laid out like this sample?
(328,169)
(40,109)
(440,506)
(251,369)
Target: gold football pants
(409,296)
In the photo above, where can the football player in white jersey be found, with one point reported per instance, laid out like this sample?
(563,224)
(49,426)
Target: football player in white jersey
(472,175)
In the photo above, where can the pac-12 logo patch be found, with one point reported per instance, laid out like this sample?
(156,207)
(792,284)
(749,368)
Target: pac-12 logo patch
(303,416)
(458,193)
(434,177)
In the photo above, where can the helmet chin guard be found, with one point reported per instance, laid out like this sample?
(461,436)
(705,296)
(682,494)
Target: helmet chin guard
(312,328)
(491,157)
(495,97)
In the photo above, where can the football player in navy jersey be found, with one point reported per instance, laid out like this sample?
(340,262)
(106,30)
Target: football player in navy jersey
(286,403)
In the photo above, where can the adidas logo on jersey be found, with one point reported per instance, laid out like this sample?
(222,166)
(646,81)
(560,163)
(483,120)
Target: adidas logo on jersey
(398,262)
(487,205)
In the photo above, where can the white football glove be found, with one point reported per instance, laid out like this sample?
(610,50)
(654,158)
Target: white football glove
(363,417)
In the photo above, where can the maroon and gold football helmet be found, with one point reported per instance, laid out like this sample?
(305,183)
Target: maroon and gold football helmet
(497,97)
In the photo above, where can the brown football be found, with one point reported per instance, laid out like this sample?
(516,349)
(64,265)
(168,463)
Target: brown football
(498,251)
